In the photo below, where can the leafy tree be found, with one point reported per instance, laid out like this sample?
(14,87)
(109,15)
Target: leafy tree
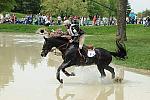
(113,7)
(28,6)
(93,8)
(146,13)
(64,7)
(78,7)
(7,5)
(34,6)
(19,6)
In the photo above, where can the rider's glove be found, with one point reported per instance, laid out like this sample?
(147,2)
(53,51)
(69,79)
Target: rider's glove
(70,41)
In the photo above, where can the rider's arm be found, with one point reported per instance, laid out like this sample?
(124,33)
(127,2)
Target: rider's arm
(66,36)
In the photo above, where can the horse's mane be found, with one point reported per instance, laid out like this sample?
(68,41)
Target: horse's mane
(58,38)
(62,38)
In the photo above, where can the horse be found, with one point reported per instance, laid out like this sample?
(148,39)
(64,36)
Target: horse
(102,58)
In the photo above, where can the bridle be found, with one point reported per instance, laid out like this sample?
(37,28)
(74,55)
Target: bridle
(67,44)
(60,47)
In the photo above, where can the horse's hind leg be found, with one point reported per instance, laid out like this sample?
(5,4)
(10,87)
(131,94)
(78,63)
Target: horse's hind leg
(101,70)
(111,70)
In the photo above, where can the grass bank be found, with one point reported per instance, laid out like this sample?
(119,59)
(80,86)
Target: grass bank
(104,36)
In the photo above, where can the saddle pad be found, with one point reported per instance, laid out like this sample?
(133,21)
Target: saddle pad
(91,53)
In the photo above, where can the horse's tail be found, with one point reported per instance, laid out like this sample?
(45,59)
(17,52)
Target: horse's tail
(121,52)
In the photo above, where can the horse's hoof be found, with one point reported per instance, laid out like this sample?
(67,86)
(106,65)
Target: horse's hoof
(61,80)
(118,80)
(113,76)
(72,74)
(115,80)
(103,76)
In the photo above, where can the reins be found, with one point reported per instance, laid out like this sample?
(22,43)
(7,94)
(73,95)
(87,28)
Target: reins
(62,46)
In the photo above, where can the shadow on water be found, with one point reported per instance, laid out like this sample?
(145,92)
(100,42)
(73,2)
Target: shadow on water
(98,92)
(67,95)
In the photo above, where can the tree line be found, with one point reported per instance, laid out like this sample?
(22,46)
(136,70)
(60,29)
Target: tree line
(107,8)
(62,7)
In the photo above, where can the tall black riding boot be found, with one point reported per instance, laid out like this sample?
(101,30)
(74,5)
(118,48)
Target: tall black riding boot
(84,54)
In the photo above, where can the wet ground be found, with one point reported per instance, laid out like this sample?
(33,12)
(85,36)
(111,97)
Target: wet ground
(24,75)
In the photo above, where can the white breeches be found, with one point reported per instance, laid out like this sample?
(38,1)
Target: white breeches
(81,41)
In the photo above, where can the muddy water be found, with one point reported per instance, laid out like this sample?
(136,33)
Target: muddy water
(24,75)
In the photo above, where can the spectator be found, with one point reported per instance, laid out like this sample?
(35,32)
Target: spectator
(82,21)
(1,18)
(147,21)
(59,20)
(75,20)
(13,18)
(94,20)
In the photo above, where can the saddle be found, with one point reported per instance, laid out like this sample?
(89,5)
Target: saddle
(86,53)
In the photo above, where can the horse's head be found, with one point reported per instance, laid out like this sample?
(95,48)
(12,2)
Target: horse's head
(52,42)
(47,46)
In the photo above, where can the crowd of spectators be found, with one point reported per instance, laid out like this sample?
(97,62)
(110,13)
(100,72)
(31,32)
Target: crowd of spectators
(48,20)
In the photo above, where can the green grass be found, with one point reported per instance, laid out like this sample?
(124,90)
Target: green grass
(138,43)
(18,28)
(20,15)
(21,28)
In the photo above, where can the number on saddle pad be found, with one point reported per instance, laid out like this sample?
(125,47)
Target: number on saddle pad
(91,51)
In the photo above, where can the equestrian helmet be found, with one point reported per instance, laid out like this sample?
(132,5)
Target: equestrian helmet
(66,22)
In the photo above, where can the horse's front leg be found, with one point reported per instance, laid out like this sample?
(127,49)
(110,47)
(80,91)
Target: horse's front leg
(62,67)
(66,65)
(66,73)
(58,74)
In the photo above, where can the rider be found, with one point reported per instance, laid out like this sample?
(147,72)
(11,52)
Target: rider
(77,36)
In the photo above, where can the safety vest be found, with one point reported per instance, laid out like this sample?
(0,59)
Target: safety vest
(74,30)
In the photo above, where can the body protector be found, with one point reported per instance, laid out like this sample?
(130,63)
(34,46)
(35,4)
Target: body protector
(77,34)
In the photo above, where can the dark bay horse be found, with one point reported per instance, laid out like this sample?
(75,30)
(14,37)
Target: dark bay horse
(102,58)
